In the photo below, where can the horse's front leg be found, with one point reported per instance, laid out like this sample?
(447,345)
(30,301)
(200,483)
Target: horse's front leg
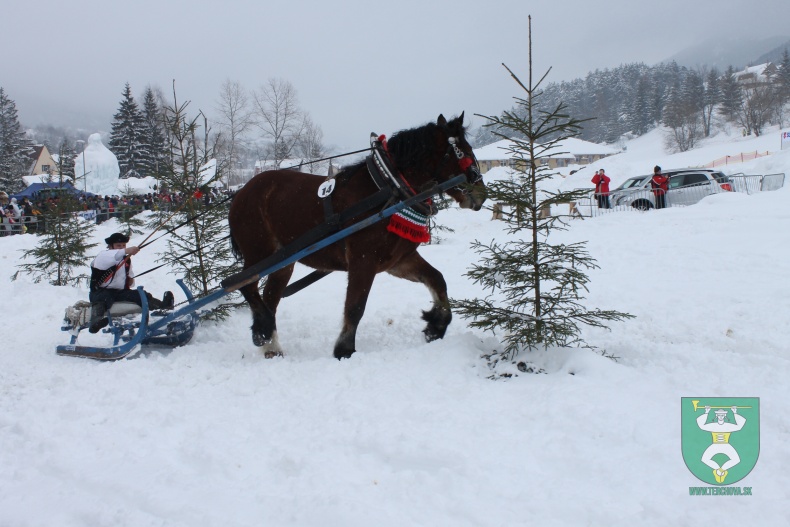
(360,280)
(415,269)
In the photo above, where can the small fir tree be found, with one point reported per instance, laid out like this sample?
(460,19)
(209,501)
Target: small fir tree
(60,255)
(536,286)
(197,249)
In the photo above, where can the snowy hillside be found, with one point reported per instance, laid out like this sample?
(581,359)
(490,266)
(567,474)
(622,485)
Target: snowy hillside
(407,433)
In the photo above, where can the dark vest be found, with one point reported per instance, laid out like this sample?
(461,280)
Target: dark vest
(105,276)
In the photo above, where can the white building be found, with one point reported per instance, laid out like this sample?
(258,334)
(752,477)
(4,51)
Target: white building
(567,152)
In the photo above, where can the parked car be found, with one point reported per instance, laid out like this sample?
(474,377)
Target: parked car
(686,187)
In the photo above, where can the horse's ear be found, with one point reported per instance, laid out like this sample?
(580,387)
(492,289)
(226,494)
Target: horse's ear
(441,121)
(458,121)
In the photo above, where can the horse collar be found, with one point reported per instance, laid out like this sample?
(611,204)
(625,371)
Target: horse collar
(384,173)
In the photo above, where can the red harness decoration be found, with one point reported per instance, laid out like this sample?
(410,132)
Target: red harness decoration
(408,223)
(411,225)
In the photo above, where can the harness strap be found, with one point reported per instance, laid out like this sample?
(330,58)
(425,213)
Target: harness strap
(375,172)
(384,174)
(314,235)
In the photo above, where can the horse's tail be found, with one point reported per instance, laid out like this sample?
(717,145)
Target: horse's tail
(234,247)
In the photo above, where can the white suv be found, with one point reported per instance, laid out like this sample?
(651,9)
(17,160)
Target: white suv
(686,187)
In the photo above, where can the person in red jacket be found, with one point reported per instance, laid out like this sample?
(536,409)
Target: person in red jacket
(601,181)
(660,184)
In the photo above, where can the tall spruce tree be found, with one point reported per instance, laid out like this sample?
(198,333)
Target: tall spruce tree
(65,163)
(783,87)
(731,95)
(128,135)
(710,98)
(640,114)
(198,249)
(783,75)
(536,286)
(15,148)
(155,154)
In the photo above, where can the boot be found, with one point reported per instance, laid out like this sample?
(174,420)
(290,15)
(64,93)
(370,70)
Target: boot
(168,300)
(155,304)
(98,317)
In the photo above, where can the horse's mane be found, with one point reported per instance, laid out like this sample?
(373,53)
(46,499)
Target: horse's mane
(415,146)
(412,147)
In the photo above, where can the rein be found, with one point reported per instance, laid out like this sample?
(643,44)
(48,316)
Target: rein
(229,198)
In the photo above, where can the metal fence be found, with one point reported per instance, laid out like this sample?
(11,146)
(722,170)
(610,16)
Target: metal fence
(645,199)
(37,223)
(757,183)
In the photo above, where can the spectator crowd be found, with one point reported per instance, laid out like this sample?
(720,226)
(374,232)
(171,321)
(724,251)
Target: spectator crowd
(23,215)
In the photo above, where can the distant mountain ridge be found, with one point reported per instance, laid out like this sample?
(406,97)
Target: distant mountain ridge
(721,53)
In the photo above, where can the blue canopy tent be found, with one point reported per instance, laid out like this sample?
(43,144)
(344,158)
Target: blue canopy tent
(46,190)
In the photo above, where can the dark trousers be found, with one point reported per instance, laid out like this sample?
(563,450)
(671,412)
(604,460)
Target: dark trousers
(603,201)
(109,296)
(661,200)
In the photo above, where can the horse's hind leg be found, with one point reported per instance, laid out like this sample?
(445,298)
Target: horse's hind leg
(415,269)
(264,326)
(264,322)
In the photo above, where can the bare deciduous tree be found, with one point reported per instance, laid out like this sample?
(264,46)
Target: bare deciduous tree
(683,118)
(310,146)
(235,119)
(758,105)
(278,116)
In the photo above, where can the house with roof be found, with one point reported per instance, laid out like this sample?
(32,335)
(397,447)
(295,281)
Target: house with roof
(41,161)
(571,151)
(754,76)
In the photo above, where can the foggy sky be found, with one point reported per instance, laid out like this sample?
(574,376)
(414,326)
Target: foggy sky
(358,66)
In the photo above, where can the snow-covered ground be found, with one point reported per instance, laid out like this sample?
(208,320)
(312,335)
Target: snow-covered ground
(409,433)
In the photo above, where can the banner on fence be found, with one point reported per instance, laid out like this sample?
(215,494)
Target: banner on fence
(785,140)
(89,215)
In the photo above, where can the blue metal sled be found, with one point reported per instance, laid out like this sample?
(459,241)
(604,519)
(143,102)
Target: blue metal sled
(129,333)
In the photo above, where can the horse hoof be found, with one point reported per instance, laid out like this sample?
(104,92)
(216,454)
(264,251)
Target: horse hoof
(431,334)
(438,319)
(270,354)
(342,353)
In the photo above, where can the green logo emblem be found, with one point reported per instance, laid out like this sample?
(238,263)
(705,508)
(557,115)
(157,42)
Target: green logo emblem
(720,437)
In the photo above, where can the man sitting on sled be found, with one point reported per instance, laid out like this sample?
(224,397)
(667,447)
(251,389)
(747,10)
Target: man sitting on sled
(112,280)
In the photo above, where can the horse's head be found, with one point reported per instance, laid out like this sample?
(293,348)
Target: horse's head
(437,152)
(460,159)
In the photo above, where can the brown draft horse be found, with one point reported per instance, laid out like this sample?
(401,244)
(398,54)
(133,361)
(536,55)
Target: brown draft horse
(276,207)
